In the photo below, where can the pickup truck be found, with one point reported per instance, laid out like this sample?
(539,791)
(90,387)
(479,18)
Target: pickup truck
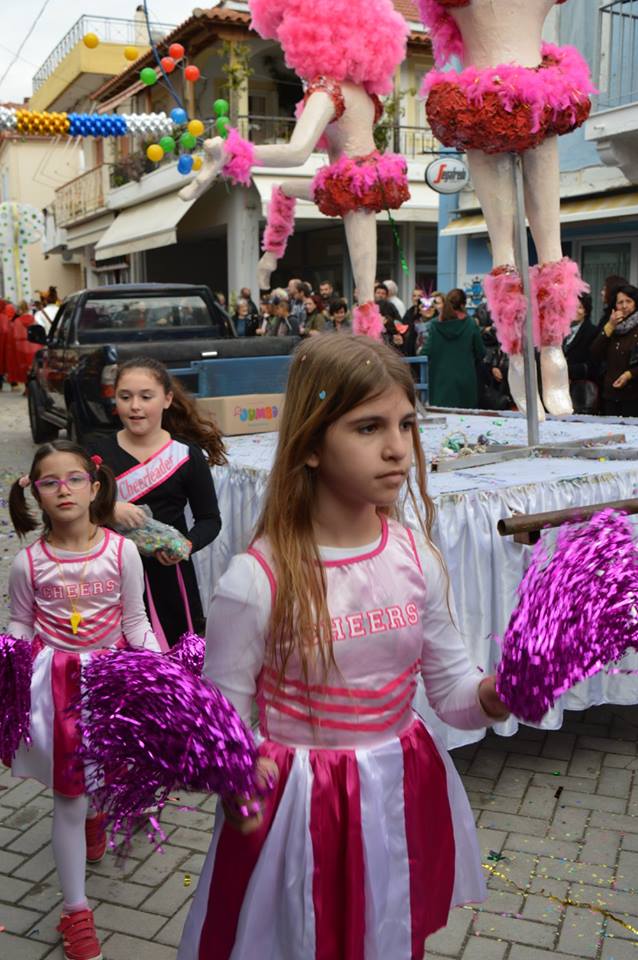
(72,380)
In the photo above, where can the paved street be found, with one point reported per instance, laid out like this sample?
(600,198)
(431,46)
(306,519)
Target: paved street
(557,815)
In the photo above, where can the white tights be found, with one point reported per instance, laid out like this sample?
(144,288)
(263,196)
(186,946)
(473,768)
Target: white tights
(69,849)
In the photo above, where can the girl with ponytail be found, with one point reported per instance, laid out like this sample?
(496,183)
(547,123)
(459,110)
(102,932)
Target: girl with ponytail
(75,593)
(162,457)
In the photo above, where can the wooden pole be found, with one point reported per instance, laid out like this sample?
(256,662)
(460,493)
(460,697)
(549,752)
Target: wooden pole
(526,524)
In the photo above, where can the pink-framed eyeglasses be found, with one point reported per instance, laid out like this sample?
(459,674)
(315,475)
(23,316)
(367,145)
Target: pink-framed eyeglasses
(73,481)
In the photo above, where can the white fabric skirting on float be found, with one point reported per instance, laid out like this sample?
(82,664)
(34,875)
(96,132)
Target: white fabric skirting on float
(485,568)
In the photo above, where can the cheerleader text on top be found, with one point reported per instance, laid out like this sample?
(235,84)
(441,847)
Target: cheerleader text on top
(75,593)
(368,839)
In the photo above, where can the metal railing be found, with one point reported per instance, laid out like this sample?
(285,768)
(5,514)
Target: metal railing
(81,196)
(109,30)
(410,141)
(618,54)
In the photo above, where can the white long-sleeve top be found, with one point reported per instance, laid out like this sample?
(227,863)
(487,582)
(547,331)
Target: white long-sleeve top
(105,585)
(391,619)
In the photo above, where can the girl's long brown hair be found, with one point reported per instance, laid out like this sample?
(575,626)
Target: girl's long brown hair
(182,419)
(329,376)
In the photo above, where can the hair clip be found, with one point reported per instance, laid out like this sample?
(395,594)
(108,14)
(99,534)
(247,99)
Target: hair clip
(24,481)
(322,394)
(96,459)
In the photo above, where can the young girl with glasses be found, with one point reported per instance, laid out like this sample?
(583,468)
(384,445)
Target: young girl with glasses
(76,592)
(328,620)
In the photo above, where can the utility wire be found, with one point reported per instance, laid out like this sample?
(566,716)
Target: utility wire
(20,48)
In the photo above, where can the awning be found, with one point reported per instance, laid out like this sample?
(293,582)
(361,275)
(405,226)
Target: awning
(571,211)
(145,226)
(422,207)
(88,232)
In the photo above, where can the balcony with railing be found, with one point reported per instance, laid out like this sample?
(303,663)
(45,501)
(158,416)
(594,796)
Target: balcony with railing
(412,142)
(81,197)
(613,126)
(108,30)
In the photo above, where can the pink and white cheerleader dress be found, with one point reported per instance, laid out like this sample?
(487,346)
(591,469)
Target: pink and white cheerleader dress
(368,840)
(104,587)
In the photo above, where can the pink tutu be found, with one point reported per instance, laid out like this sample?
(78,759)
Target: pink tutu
(375,182)
(509,107)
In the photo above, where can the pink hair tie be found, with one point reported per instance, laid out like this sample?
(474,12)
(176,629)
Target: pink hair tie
(24,482)
(240,159)
(97,460)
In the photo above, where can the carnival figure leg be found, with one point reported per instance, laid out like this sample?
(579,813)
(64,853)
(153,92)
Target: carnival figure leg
(361,237)
(555,290)
(493,179)
(280,225)
(507,306)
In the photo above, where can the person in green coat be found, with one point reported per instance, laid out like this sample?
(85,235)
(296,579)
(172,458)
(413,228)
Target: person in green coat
(454,348)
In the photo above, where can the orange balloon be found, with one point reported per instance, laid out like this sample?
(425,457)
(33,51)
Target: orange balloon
(176,51)
(192,73)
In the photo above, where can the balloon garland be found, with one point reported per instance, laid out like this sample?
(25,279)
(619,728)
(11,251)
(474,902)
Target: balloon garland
(173,133)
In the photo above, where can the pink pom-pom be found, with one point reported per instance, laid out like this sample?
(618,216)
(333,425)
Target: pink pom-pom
(15,695)
(240,159)
(189,652)
(556,288)
(367,320)
(150,727)
(577,612)
(281,222)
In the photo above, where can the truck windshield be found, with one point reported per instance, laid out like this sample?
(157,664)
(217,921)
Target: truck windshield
(153,314)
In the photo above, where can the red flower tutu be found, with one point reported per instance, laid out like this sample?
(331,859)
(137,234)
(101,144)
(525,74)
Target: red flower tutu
(375,182)
(509,108)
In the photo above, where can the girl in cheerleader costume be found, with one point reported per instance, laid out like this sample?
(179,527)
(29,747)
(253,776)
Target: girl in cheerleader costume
(516,94)
(368,839)
(162,457)
(75,593)
(346,52)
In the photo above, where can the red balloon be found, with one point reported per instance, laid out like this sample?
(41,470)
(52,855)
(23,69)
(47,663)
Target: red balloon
(192,73)
(168,64)
(176,51)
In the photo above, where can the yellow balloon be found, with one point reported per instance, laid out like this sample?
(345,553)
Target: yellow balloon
(131,53)
(91,40)
(154,153)
(196,127)
(197,163)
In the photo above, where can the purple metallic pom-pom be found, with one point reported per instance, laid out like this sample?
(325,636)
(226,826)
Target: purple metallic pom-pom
(151,727)
(15,694)
(577,612)
(189,651)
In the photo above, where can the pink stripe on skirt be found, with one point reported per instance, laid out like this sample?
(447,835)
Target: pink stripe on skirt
(429,835)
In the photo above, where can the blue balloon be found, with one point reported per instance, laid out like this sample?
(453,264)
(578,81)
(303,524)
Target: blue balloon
(178,115)
(185,164)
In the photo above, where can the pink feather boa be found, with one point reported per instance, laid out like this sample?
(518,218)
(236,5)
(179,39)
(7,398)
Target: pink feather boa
(363,41)
(507,306)
(367,320)
(240,160)
(555,291)
(560,85)
(280,224)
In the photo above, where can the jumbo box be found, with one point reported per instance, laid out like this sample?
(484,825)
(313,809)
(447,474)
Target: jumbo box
(251,413)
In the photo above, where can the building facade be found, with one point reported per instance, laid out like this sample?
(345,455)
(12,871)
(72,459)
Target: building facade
(125,221)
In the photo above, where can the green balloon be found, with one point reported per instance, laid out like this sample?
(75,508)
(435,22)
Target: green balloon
(222,124)
(167,144)
(148,76)
(187,140)
(221,108)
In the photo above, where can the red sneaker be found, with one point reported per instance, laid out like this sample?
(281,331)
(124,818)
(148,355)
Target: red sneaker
(80,941)
(95,838)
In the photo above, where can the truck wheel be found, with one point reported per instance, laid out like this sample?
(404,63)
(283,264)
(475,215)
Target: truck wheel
(41,431)
(73,431)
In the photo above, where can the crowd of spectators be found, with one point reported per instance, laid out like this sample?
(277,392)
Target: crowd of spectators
(467,367)
(16,351)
